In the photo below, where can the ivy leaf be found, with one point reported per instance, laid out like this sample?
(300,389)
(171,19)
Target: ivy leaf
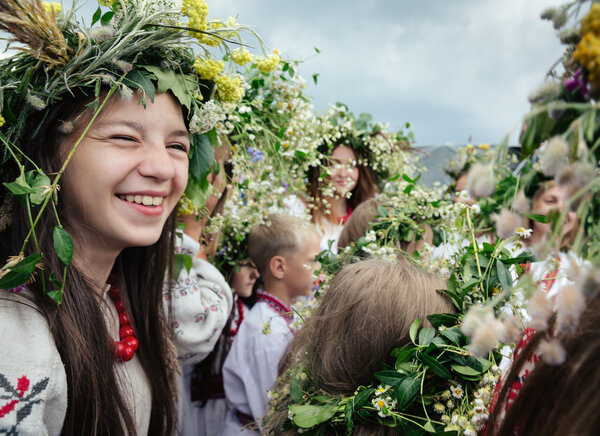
(414,327)
(63,245)
(438,369)
(39,186)
(309,415)
(426,335)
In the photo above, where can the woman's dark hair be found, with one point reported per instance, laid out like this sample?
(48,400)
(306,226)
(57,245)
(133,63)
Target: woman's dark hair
(366,187)
(556,399)
(95,404)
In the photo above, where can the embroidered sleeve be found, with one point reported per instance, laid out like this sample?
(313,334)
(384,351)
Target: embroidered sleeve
(201,301)
(33,386)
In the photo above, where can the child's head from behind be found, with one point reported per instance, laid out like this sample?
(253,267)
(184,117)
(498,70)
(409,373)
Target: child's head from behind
(365,314)
(284,251)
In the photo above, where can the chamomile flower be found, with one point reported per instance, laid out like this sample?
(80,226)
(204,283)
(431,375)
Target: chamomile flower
(457,391)
(523,232)
(382,389)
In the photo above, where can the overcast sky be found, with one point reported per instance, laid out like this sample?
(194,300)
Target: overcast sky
(454,69)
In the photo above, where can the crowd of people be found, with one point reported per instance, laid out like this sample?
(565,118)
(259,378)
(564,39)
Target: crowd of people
(191,249)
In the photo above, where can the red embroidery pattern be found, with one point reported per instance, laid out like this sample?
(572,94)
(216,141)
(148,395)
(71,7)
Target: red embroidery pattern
(21,398)
(277,305)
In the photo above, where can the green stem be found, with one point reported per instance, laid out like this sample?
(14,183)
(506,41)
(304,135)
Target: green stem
(475,248)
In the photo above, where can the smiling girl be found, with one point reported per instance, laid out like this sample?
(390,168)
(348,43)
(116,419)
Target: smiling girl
(86,340)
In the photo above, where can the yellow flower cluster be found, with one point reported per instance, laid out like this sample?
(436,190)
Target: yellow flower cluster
(52,7)
(2,120)
(266,65)
(229,89)
(587,52)
(241,56)
(185,206)
(197,12)
(208,69)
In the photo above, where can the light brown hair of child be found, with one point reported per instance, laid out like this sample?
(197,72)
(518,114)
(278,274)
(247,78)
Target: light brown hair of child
(365,314)
(284,251)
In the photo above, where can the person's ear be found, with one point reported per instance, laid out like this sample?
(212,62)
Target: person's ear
(277,266)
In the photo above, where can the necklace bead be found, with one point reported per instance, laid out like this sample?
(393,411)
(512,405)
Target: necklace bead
(124,349)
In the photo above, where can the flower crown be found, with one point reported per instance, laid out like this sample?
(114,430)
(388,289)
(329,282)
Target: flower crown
(135,48)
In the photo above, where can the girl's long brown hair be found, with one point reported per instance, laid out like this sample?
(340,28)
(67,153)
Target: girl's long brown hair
(556,399)
(365,314)
(95,403)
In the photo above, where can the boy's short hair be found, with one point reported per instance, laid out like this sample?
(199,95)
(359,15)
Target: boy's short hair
(280,236)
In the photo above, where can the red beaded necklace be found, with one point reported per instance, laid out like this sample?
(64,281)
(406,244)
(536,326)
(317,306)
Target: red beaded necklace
(240,307)
(125,348)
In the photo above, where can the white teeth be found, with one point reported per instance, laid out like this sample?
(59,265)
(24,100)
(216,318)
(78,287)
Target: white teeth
(146,200)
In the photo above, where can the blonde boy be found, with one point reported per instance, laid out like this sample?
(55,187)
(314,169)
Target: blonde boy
(284,251)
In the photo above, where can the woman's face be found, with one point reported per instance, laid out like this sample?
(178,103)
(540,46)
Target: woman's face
(554,198)
(243,280)
(343,169)
(127,174)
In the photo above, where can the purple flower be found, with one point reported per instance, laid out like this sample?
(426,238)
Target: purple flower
(17,289)
(576,82)
(255,154)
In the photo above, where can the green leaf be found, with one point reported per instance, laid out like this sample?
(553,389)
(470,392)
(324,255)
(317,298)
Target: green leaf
(429,427)
(202,155)
(407,179)
(213,137)
(309,415)
(503,275)
(438,369)
(54,280)
(183,261)
(440,319)
(57,296)
(96,16)
(21,272)
(544,219)
(295,391)
(403,354)
(139,80)
(106,18)
(176,83)
(13,279)
(315,77)
(19,186)
(414,327)
(465,370)
(406,392)
(361,398)
(63,245)
(389,377)
(317,50)
(453,334)
(39,186)
(426,335)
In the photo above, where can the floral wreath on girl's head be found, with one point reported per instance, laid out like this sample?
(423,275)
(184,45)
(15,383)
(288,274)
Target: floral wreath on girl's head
(386,154)
(134,47)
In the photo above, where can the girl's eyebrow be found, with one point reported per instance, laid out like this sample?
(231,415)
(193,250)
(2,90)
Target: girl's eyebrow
(138,127)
